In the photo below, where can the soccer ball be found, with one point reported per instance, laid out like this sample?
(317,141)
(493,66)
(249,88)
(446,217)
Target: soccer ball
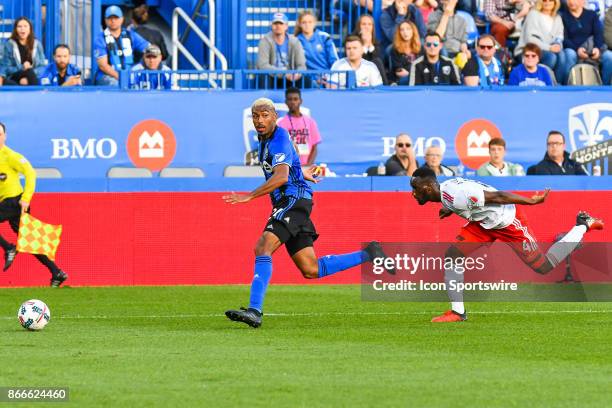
(34,314)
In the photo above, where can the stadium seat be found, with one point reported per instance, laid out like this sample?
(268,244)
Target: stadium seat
(48,173)
(584,74)
(129,172)
(553,78)
(188,172)
(242,171)
(472,29)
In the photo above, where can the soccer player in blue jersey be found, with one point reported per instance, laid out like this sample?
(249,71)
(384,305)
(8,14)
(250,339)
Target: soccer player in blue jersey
(289,223)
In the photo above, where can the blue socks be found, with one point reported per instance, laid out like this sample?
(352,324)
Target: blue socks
(263,273)
(330,264)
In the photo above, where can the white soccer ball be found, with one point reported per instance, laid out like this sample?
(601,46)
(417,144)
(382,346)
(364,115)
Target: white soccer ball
(34,314)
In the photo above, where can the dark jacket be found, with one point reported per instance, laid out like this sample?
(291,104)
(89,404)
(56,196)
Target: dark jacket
(547,167)
(389,20)
(394,167)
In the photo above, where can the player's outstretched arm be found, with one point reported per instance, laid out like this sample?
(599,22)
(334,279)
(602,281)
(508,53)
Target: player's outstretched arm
(279,177)
(502,197)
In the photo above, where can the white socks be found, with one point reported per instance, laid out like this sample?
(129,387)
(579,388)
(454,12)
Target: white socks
(566,245)
(458,307)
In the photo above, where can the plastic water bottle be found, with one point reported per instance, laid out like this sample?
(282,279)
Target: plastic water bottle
(597,170)
(381,170)
(460,169)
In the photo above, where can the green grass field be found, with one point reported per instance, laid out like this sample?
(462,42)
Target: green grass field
(318,346)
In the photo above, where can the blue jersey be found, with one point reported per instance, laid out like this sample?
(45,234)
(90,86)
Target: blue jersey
(278,150)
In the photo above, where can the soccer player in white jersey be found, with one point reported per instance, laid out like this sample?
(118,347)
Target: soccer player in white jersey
(492,215)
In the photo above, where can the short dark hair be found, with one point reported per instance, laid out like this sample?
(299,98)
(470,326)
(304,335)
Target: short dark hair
(424,173)
(555,132)
(351,38)
(58,46)
(434,34)
(485,36)
(497,141)
(293,90)
(533,48)
(3,127)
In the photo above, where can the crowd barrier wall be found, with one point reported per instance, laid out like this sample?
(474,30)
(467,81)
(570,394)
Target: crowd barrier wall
(85,132)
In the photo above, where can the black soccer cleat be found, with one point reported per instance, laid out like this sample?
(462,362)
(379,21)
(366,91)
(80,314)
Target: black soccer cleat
(590,222)
(58,278)
(249,316)
(374,251)
(9,257)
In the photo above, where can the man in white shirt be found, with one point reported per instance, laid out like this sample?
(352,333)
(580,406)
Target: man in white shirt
(366,73)
(492,215)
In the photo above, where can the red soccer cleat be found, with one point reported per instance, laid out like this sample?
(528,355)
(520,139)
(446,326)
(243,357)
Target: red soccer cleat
(584,218)
(450,316)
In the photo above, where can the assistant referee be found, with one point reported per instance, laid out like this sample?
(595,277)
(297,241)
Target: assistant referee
(15,199)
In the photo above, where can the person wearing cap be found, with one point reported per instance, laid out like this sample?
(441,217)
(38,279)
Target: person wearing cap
(152,61)
(140,19)
(114,47)
(61,72)
(279,51)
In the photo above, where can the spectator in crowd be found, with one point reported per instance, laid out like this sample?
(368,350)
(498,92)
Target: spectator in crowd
(372,50)
(399,11)
(484,69)
(279,51)
(497,166)
(319,48)
(608,29)
(366,72)
(530,73)
(24,57)
(433,160)
(61,72)
(114,48)
(426,7)
(152,61)
(403,162)
(140,19)
(433,68)
(501,14)
(557,160)
(3,79)
(544,28)
(303,130)
(451,27)
(583,39)
(406,49)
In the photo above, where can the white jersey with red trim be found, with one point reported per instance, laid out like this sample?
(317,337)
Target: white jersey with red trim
(466,199)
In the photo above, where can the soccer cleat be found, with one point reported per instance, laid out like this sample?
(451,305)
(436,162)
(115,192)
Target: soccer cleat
(450,316)
(58,278)
(374,251)
(9,257)
(584,218)
(249,316)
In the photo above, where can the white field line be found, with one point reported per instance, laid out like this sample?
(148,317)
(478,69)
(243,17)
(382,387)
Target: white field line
(314,314)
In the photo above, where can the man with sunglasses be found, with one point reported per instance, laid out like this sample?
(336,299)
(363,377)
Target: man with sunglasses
(403,162)
(433,68)
(484,69)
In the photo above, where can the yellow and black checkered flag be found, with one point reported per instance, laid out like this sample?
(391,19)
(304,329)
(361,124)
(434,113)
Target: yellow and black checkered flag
(37,237)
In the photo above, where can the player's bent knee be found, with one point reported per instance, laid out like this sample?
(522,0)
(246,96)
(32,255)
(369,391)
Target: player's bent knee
(310,272)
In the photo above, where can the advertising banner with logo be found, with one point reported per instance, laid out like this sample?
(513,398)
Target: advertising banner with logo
(85,133)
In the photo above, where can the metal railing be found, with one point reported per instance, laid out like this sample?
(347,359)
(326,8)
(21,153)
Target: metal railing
(178,46)
(197,80)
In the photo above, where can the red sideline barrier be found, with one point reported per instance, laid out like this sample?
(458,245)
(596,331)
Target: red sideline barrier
(195,238)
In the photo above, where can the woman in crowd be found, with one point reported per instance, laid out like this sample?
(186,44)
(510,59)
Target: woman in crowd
(544,27)
(406,48)
(372,51)
(319,48)
(23,54)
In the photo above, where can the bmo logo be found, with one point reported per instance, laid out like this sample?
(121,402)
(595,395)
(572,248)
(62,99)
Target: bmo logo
(105,148)
(472,142)
(151,144)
